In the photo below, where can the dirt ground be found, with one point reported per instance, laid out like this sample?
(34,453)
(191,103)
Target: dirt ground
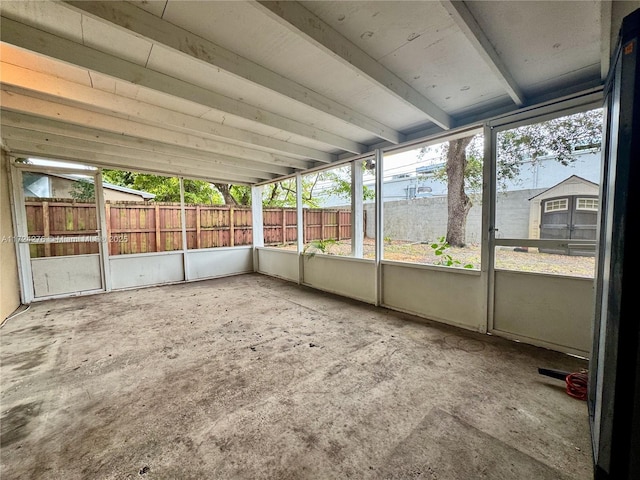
(506,258)
(251,377)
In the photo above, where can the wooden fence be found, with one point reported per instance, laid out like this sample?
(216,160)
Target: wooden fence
(281,224)
(61,218)
(140,227)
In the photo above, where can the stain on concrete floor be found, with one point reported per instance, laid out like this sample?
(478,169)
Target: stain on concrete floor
(251,377)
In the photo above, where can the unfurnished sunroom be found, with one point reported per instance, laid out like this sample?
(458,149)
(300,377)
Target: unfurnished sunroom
(268,101)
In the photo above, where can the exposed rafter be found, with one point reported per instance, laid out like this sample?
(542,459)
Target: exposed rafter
(44,43)
(145,113)
(301,21)
(468,25)
(19,102)
(75,132)
(159,31)
(34,137)
(46,150)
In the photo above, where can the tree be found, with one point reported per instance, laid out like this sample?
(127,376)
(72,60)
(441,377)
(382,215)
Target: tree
(340,183)
(561,138)
(458,202)
(165,189)
(234,194)
(283,193)
(83,190)
(334,182)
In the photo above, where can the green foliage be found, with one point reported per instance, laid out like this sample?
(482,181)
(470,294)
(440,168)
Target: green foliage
(336,182)
(119,177)
(241,193)
(472,170)
(283,193)
(321,246)
(440,248)
(561,138)
(165,189)
(340,183)
(83,190)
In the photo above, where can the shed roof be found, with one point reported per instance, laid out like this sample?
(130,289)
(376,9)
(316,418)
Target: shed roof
(570,179)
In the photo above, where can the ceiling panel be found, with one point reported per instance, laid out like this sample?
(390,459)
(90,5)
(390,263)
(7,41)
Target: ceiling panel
(543,42)
(381,28)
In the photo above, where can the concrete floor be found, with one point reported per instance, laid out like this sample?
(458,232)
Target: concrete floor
(250,377)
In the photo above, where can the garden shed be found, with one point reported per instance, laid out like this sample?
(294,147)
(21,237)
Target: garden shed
(178,343)
(567,210)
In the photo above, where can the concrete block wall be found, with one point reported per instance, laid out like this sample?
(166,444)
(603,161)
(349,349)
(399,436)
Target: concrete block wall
(425,219)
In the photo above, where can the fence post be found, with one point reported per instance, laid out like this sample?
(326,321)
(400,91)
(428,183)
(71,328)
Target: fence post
(322,212)
(284,225)
(198,228)
(47,228)
(158,228)
(339,224)
(107,221)
(232,225)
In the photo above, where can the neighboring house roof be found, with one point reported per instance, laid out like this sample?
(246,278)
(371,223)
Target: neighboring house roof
(110,186)
(567,180)
(430,168)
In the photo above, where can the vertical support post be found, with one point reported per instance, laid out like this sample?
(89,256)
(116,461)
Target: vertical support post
(46,228)
(157,221)
(232,227)
(103,232)
(487,248)
(300,228)
(183,225)
(198,228)
(257,223)
(379,157)
(357,210)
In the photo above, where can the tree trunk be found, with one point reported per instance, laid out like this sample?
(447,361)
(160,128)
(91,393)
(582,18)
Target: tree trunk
(225,190)
(458,203)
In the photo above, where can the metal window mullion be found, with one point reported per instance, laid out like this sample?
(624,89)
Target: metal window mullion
(379,160)
(103,241)
(357,210)
(300,228)
(183,226)
(487,246)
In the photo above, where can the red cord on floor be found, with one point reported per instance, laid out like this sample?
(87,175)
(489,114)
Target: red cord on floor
(577,385)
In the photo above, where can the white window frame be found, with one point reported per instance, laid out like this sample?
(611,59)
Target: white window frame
(547,203)
(593,201)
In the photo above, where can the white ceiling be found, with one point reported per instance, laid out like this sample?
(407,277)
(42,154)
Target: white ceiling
(244,92)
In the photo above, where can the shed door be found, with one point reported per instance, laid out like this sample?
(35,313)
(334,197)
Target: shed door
(572,217)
